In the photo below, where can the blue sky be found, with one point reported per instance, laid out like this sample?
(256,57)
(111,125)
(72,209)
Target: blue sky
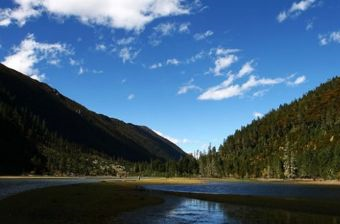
(194,71)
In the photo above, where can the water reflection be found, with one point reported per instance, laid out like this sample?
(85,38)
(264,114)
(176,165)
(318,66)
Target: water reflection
(177,210)
(253,215)
(185,210)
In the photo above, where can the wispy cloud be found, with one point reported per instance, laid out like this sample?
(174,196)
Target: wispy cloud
(172,139)
(122,14)
(156,65)
(187,87)
(296,9)
(260,93)
(131,96)
(333,37)
(30,52)
(202,36)
(184,27)
(299,80)
(126,41)
(173,61)
(100,47)
(166,29)
(310,25)
(170,61)
(200,55)
(246,69)
(128,54)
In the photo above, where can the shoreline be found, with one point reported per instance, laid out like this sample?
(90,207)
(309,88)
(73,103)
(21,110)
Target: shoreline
(185,180)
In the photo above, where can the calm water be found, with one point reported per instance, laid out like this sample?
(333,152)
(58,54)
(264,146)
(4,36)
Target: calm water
(258,189)
(12,186)
(185,210)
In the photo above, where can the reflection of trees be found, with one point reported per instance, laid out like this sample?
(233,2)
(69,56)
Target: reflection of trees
(254,215)
(186,210)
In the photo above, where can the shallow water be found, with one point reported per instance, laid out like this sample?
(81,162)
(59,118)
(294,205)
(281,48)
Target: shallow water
(257,189)
(12,186)
(185,210)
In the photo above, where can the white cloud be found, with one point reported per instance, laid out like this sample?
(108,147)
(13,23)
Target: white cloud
(172,139)
(246,69)
(166,29)
(296,9)
(156,65)
(123,14)
(333,37)
(223,62)
(309,26)
(95,71)
(226,90)
(125,41)
(202,36)
(200,55)
(131,97)
(26,9)
(100,47)
(258,115)
(188,87)
(172,61)
(281,17)
(184,28)
(224,58)
(73,62)
(299,80)
(223,51)
(127,54)
(81,70)
(30,52)
(260,93)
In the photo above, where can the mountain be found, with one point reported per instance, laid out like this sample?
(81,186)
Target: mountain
(44,131)
(300,139)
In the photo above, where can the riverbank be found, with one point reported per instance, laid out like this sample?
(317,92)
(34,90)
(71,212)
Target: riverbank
(187,180)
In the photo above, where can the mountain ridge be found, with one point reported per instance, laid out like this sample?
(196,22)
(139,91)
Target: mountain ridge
(78,125)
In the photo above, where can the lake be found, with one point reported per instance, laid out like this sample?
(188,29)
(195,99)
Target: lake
(276,189)
(186,210)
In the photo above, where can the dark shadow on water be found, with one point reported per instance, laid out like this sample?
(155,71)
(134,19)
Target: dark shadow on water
(186,210)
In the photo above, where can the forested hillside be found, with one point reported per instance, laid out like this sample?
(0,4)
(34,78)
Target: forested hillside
(300,139)
(45,132)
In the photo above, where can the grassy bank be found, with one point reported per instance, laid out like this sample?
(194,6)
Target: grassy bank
(83,203)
